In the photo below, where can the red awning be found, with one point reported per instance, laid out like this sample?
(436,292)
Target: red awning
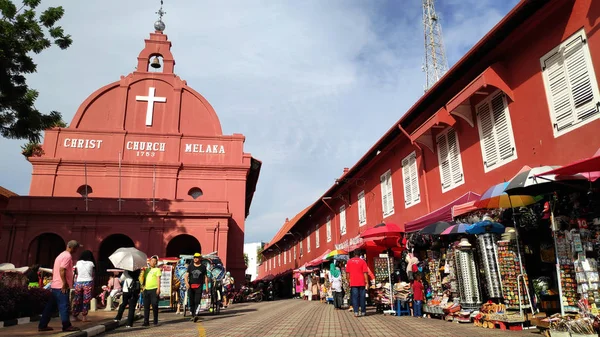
(441,214)
(461,209)
(589,167)
(318,260)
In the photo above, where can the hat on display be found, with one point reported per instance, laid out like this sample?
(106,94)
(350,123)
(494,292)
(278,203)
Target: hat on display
(464,242)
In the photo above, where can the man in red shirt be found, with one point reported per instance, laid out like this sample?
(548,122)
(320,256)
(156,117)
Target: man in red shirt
(418,296)
(357,273)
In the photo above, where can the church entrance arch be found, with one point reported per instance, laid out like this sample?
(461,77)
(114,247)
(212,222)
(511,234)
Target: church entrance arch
(44,249)
(108,246)
(183,244)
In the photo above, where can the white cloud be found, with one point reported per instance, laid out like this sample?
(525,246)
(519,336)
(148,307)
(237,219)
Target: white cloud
(311,84)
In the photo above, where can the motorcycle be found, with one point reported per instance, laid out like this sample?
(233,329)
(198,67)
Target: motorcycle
(270,294)
(256,296)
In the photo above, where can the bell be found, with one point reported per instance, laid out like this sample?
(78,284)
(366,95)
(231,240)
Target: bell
(155,63)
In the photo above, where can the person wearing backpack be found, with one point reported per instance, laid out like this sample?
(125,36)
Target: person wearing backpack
(131,292)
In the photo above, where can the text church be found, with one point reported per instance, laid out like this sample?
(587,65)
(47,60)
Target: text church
(143,163)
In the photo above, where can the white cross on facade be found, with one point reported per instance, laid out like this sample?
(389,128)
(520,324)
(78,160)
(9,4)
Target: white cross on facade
(150,99)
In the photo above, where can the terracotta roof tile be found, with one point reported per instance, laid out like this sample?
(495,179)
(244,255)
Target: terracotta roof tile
(287,226)
(6,193)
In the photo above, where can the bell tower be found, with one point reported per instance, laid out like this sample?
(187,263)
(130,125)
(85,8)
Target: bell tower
(157,53)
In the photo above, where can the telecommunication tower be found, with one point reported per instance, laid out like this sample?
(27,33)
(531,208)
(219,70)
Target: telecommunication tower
(435,65)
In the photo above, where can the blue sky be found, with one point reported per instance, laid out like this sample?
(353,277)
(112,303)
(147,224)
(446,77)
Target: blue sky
(311,84)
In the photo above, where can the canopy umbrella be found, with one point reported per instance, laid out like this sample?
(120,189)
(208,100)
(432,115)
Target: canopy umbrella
(436,228)
(496,197)
(589,168)
(388,243)
(529,182)
(128,259)
(485,226)
(334,253)
(383,230)
(455,229)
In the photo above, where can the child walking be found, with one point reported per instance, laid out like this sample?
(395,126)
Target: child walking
(418,296)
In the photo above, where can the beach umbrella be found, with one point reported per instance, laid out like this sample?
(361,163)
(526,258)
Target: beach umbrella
(529,182)
(496,197)
(128,259)
(456,229)
(335,253)
(436,228)
(485,226)
(382,231)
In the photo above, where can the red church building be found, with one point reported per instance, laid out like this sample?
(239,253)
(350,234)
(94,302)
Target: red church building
(525,94)
(143,163)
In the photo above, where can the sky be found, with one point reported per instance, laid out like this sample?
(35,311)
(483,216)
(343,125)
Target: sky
(311,84)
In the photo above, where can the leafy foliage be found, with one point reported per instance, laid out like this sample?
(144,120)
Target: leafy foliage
(259,255)
(32,149)
(22,32)
(245,259)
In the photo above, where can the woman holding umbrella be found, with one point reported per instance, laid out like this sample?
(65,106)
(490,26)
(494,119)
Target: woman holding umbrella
(131,260)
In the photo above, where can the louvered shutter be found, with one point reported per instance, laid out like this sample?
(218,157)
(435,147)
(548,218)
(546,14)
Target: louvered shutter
(486,133)
(343,220)
(560,94)
(502,128)
(317,237)
(579,79)
(406,177)
(414,179)
(390,194)
(384,203)
(454,156)
(362,209)
(444,163)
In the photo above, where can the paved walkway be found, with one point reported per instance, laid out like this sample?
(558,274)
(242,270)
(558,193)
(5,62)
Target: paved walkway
(30,329)
(301,318)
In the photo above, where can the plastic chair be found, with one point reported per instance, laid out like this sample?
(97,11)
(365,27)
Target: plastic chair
(402,308)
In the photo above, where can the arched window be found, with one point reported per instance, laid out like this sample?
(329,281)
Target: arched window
(85,190)
(195,192)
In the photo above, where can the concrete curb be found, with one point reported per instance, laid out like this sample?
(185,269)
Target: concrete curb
(17,321)
(101,328)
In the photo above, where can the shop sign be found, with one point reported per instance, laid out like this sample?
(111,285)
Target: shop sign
(143,148)
(355,241)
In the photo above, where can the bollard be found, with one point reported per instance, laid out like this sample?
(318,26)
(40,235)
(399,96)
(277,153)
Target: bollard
(93,305)
(109,301)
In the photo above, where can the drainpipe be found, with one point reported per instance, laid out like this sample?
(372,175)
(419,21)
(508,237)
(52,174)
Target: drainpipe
(422,165)
(326,204)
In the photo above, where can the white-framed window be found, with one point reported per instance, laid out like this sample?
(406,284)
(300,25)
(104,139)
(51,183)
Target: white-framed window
(301,249)
(410,176)
(285,254)
(308,242)
(294,252)
(343,220)
(495,131)
(362,209)
(317,237)
(279,259)
(570,83)
(269,264)
(290,252)
(387,194)
(328,228)
(450,163)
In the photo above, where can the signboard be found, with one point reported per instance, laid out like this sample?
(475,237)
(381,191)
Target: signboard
(166,282)
(351,243)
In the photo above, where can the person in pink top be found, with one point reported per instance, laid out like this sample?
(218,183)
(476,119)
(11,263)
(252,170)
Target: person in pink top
(62,281)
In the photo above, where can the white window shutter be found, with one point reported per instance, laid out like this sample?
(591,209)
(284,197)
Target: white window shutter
(390,193)
(384,203)
(454,155)
(560,93)
(444,162)
(406,177)
(502,127)
(328,229)
(486,134)
(343,220)
(579,79)
(308,242)
(414,179)
(362,209)
(317,237)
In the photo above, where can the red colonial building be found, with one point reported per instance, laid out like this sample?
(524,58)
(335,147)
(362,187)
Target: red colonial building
(143,163)
(525,94)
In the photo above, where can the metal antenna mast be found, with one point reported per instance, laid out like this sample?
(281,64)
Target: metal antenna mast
(435,65)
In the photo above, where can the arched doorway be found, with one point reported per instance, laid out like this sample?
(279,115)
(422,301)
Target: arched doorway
(44,249)
(183,244)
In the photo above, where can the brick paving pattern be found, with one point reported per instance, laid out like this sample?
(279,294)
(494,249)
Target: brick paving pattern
(307,319)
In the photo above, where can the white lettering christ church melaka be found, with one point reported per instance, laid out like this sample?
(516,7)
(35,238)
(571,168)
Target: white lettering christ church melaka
(143,149)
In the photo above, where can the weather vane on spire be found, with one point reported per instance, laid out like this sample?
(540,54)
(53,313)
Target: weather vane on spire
(160,25)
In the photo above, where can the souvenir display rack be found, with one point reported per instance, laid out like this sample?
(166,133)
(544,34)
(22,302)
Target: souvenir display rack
(449,268)
(586,274)
(508,259)
(435,279)
(486,244)
(470,295)
(381,269)
(568,280)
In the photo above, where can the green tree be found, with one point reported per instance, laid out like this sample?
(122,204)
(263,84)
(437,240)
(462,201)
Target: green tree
(23,32)
(259,256)
(246,259)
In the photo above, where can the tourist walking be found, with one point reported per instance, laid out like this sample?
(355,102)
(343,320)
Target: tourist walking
(358,276)
(418,296)
(84,285)
(151,290)
(335,278)
(195,279)
(62,281)
(228,287)
(131,292)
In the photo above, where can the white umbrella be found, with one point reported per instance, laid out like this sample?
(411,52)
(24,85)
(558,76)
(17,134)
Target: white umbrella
(128,259)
